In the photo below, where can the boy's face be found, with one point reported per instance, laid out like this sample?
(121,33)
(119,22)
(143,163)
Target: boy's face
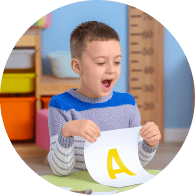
(100,68)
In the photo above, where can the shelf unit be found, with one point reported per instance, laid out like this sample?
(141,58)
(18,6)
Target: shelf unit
(45,85)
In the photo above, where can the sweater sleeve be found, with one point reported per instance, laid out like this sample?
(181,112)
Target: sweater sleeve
(146,152)
(61,156)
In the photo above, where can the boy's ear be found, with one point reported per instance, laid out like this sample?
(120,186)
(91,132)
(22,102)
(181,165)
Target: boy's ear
(75,64)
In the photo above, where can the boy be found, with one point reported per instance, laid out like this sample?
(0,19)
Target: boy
(80,114)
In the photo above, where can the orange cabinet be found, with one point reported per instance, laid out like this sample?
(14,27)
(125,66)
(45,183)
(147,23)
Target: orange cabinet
(18,114)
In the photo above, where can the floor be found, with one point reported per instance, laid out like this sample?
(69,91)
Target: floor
(35,157)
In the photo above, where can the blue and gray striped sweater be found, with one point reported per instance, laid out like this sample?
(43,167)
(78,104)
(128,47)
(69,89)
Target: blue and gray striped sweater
(115,111)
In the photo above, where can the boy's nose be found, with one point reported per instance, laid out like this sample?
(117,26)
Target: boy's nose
(110,68)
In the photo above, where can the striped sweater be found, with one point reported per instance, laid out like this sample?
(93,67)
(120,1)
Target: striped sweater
(115,111)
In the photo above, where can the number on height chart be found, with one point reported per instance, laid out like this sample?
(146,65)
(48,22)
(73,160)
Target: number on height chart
(147,51)
(148,88)
(147,34)
(148,106)
(149,70)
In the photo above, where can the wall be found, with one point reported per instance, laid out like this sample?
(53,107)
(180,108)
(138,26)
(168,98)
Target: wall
(178,78)
(178,85)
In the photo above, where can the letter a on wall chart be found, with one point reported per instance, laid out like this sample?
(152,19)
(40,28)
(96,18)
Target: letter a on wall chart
(113,159)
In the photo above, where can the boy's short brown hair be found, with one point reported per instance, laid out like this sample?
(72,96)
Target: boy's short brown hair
(87,32)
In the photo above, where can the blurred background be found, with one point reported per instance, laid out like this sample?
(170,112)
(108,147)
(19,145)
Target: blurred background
(39,67)
(178,81)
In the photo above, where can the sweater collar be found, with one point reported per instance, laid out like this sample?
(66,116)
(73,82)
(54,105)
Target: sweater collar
(87,99)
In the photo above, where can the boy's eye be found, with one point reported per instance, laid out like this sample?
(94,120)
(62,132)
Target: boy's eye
(104,63)
(100,63)
(117,63)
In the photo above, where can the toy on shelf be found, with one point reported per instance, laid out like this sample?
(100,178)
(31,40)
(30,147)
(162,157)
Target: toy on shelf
(43,22)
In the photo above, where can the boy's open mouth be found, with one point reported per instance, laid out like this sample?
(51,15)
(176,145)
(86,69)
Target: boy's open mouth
(107,83)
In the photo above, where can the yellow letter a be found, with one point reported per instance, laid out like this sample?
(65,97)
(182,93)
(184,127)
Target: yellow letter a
(113,153)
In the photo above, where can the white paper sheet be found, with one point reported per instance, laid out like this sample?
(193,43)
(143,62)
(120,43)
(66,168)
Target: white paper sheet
(123,142)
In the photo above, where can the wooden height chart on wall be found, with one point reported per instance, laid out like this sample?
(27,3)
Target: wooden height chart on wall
(146,72)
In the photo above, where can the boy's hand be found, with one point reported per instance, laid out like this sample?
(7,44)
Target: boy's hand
(84,128)
(150,133)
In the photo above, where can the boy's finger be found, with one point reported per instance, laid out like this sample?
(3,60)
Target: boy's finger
(96,127)
(148,124)
(154,137)
(145,133)
(88,138)
(92,133)
(151,134)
